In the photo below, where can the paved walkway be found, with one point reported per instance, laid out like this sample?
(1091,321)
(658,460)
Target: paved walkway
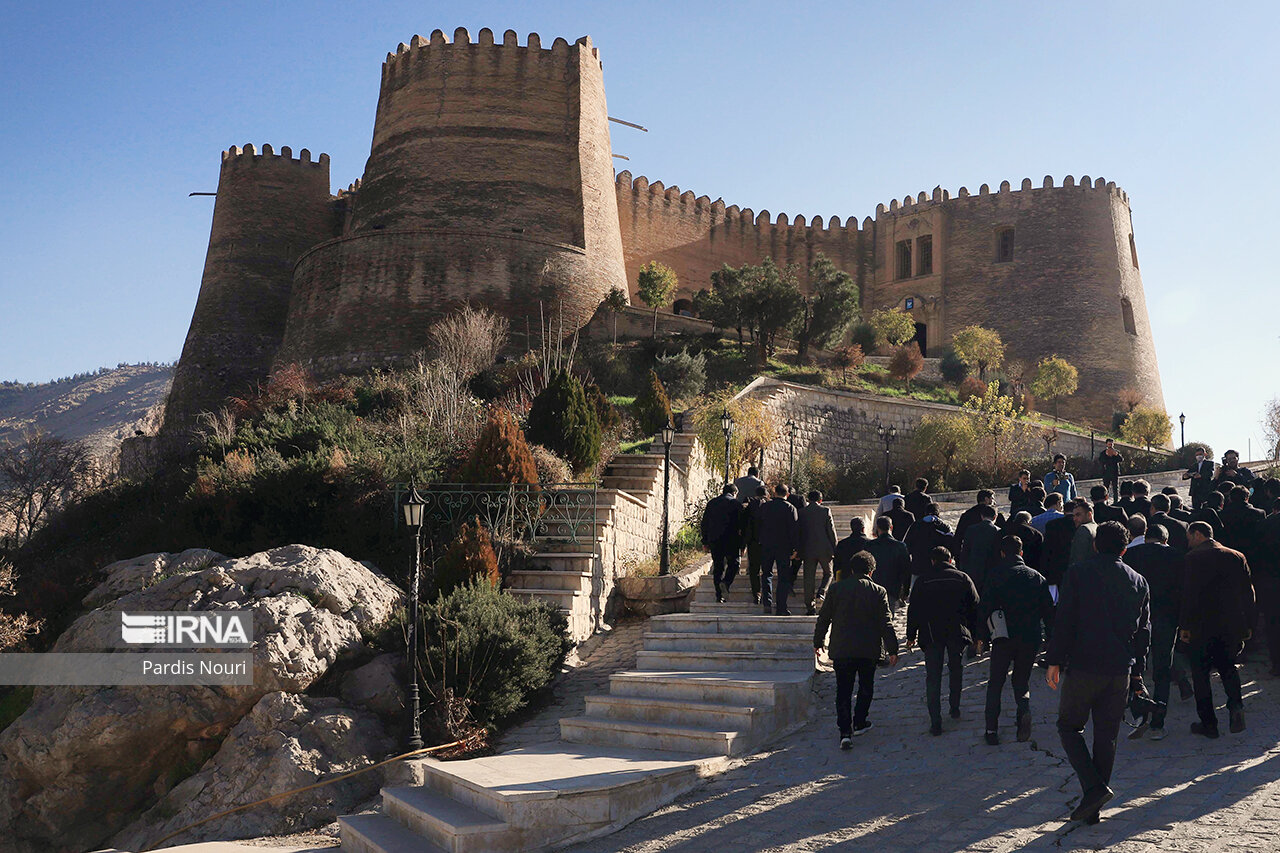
(900,789)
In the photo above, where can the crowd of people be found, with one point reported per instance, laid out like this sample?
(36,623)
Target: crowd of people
(1097,588)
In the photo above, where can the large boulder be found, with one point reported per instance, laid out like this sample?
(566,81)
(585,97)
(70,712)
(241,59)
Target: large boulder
(81,762)
(139,573)
(286,742)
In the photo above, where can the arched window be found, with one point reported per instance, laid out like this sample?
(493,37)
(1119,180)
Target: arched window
(1133,251)
(1126,308)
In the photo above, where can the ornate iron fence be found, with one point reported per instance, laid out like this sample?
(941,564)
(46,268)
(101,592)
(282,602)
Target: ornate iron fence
(565,512)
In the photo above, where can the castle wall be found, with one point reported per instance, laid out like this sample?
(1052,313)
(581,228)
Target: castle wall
(695,236)
(489,180)
(270,208)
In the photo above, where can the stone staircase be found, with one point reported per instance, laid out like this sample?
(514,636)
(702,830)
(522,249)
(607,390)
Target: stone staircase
(706,686)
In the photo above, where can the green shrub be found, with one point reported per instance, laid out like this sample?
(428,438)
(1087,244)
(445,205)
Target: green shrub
(564,422)
(1186,456)
(652,407)
(610,420)
(683,375)
(865,336)
(954,370)
(488,651)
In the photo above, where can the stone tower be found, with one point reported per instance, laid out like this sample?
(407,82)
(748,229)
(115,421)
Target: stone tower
(490,180)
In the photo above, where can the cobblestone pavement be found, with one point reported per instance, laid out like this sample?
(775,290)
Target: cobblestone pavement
(901,789)
(614,652)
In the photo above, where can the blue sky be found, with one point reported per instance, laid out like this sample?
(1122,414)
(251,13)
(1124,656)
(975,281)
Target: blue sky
(113,112)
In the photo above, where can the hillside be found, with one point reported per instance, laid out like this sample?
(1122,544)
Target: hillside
(102,409)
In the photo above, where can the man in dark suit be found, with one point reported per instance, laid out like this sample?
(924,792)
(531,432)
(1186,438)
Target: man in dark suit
(1126,497)
(1201,476)
(778,530)
(798,501)
(853,543)
(926,534)
(1032,539)
(817,547)
(1103,510)
(721,532)
(893,562)
(1177,510)
(917,503)
(754,556)
(986,497)
(1020,493)
(1163,569)
(1266,580)
(1111,462)
(1243,524)
(1175,531)
(943,613)
(980,548)
(901,519)
(1055,557)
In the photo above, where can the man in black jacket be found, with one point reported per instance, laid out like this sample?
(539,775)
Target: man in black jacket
(778,531)
(917,503)
(1201,476)
(893,562)
(902,520)
(754,556)
(1021,594)
(1111,462)
(1266,581)
(973,514)
(721,531)
(1032,539)
(980,546)
(1162,568)
(1101,635)
(856,610)
(1020,496)
(924,535)
(855,542)
(943,613)
(1243,524)
(1104,510)
(1055,557)
(1175,531)
(1176,508)
(1126,497)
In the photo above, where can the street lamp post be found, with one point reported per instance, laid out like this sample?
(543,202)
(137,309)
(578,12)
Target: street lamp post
(726,424)
(887,436)
(413,507)
(1092,455)
(664,558)
(791,467)
(1182,422)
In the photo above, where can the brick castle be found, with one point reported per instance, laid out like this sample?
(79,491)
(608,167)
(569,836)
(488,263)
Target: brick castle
(490,180)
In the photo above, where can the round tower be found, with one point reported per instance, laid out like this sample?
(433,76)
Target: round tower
(489,180)
(270,208)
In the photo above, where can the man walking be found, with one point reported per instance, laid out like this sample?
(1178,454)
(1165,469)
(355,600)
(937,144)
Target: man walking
(902,520)
(750,535)
(1102,509)
(721,535)
(749,482)
(1103,650)
(942,612)
(986,497)
(917,503)
(856,610)
(893,562)
(886,501)
(1175,531)
(1060,480)
(1162,568)
(1021,596)
(778,529)
(1217,617)
(1111,462)
(817,548)
(980,547)
(1032,540)
(1267,583)
(1201,476)
(1052,511)
(923,536)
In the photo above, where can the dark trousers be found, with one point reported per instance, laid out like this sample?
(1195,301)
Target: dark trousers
(847,669)
(933,659)
(1022,657)
(1111,482)
(724,564)
(1166,663)
(1213,654)
(754,559)
(1085,694)
(767,563)
(1268,589)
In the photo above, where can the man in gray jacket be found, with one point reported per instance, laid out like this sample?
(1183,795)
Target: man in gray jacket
(856,610)
(817,548)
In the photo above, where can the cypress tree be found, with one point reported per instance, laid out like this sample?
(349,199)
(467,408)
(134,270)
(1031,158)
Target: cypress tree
(652,406)
(562,420)
(500,454)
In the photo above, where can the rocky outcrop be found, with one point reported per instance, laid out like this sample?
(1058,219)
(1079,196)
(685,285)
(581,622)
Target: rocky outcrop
(285,742)
(146,571)
(81,762)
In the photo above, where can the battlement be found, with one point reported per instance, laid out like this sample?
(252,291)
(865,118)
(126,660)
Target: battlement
(249,155)
(406,55)
(687,203)
(941,196)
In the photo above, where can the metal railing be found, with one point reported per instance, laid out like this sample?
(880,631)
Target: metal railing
(520,512)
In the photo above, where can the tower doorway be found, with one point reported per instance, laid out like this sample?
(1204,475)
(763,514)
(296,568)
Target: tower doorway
(921,337)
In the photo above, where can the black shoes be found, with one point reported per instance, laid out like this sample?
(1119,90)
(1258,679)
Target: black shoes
(1185,690)
(719,594)
(935,729)
(1237,721)
(993,739)
(809,611)
(1024,728)
(955,713)
(1210,732)
(1092,802)
(860,729)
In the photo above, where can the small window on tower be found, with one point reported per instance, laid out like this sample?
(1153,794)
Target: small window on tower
(904,259)
(1133,251)
(1004,245)
(1126,308)
(924,255)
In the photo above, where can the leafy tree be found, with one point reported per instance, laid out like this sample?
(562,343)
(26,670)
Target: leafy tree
(1147,425)
(37,475)
(562,420)
(864,335)
(847,356)
(994,415)
(773,302)
(1055,378)
(940,439)
(893,326)
(754,429)
(980,348)
(501,453)
(827,309)
(470,557)
(683,375)
(653,406)
(953,368)
(615,301)
(907,362)
(725,304)
(657,287)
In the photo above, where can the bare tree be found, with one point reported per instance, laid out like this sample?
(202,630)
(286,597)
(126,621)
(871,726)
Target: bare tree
(37,475)
(1131,398)
(217,427)
(1271,426)
(15,628)
(468,340)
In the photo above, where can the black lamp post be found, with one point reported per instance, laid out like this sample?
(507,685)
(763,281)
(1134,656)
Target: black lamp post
(664,558)
(887,436)
(1182,422)
(791,467)
(726,424)
(413,507)
(1092,455)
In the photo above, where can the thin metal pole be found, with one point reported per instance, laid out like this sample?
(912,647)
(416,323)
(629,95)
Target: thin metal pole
(726,458)
(664,559)
(415,731)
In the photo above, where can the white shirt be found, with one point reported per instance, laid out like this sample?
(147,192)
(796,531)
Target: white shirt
(886,502)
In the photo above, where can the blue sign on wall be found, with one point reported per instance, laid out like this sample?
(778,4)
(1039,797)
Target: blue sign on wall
(911,302)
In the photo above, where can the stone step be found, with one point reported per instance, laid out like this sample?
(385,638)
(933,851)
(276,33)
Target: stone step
(727,623)
(534,579)
(677,712)
(722,661)
(738,608)
(562,562)
(567,600)
(633,484)
(377,833)
(739,689)
(642,735)
(712,643)
(442,820)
